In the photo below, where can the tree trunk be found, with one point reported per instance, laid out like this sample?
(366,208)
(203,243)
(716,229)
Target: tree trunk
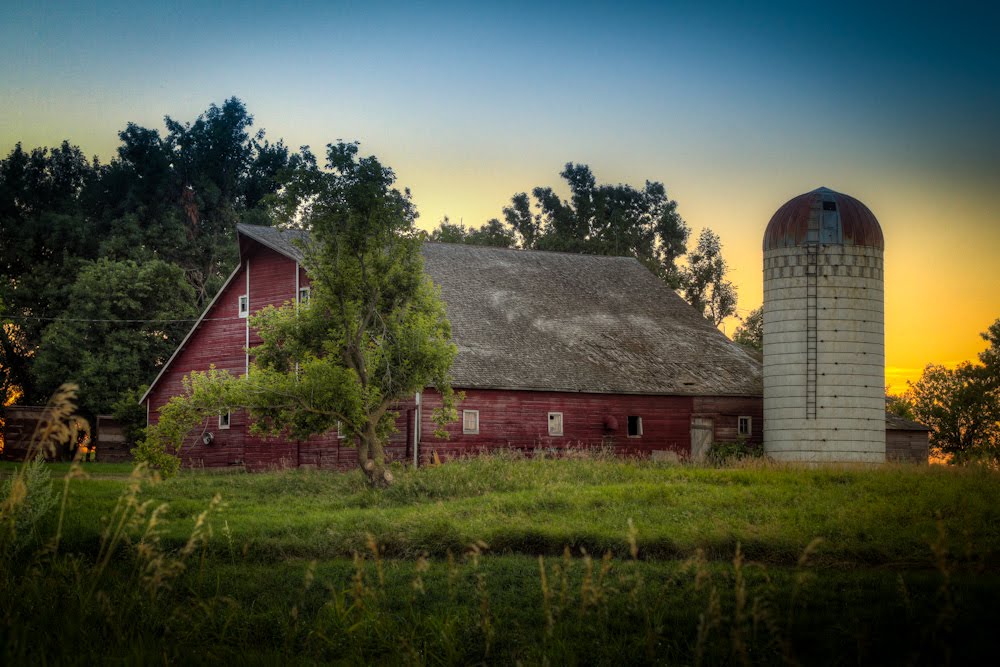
(371,459)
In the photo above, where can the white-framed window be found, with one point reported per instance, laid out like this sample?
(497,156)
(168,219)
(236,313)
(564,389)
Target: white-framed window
(470,422)
(244,306)
(555,423)
(224,418)
(634,426)
(303,295)
(340,429)
(744,426)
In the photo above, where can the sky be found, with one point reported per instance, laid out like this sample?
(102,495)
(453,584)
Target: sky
(735,107)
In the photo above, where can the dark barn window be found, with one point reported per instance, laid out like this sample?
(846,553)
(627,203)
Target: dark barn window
(634,426)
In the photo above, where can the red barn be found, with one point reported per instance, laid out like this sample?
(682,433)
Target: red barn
(555,350)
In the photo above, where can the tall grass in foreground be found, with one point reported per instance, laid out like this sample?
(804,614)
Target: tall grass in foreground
(138,598)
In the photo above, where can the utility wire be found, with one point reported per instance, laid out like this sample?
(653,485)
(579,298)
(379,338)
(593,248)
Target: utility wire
(80,319)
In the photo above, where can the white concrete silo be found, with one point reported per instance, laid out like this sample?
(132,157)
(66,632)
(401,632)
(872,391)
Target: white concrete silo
(824,348)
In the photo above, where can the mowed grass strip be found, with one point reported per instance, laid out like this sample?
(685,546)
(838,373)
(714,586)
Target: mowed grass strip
(874,516)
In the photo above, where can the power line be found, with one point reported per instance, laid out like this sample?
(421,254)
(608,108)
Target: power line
(128,321)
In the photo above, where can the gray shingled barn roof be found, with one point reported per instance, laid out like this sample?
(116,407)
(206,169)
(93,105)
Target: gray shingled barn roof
(544,320)
(566,322)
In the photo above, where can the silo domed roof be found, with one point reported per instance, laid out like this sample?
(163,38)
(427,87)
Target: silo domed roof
(823,216)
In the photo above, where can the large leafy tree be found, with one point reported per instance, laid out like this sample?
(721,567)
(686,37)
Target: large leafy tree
(178,197)
(962,405)
(705,285)
(44,239)
(122,322)
(174,197)
(373,333)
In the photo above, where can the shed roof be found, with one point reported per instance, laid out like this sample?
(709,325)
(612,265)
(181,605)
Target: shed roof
(897,423)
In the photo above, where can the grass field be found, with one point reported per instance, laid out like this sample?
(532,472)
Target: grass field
(500,560)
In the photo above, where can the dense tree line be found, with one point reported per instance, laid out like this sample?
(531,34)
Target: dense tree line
(611,220)
(103,266)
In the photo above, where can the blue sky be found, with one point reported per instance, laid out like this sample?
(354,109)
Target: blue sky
(736,107)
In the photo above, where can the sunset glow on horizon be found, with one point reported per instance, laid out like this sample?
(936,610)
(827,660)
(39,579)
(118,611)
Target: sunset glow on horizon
(736,110)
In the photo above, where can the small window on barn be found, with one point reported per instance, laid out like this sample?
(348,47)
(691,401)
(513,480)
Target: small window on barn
(744,427)
(244,306)
(224,420)
(470,422)
(304,295)
(340,429)
(555,423)
(634,426)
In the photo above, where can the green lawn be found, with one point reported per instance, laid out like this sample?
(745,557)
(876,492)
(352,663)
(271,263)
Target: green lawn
(897,564)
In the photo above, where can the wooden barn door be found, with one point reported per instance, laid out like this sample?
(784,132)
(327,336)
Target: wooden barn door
(702,433)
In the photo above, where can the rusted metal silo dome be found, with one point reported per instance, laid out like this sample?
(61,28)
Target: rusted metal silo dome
(823,216)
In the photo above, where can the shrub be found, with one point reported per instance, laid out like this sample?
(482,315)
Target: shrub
(26,498)
(722,453)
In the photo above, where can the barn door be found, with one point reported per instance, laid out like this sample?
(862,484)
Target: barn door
(702,431)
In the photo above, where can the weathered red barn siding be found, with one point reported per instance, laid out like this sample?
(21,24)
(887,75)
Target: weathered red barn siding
(519,420)
(219,340)
(725,412)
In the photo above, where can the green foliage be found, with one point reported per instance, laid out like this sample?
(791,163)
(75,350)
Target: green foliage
(750,332)
(173,198)
(704,280)
(374,331)
(900,405)
(123,320)
(962,408)
(489,560)
(960,405)
(26,497)
(807,566)
(210,393)
(603,220)
(726,453)
(493,233)
(131,414)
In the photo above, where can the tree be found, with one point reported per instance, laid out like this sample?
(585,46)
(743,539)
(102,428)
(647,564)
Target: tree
(750,332)
(448,232)
(173,197)
(704,280)
(122,322)
(899,405)
(493,233)
(962,409)
(44,237)
(962,405)
(603,220)
(374,331)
